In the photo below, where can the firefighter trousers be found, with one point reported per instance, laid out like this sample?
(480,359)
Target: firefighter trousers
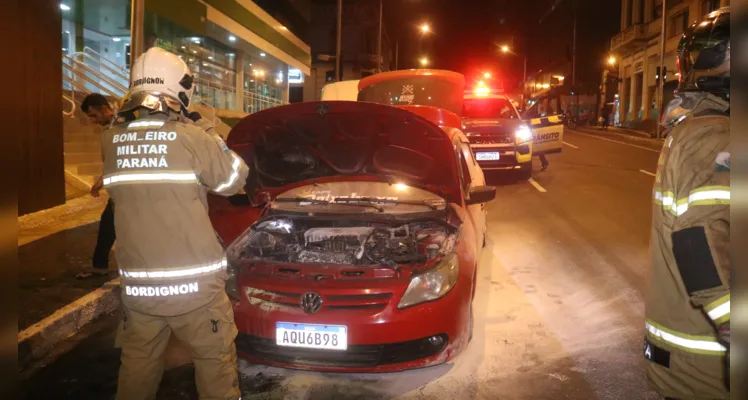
(209,332)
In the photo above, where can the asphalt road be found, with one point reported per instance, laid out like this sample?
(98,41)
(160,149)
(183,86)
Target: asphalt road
(559,305)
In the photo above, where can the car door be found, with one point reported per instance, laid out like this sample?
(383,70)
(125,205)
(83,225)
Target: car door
(544,118)
(472,176)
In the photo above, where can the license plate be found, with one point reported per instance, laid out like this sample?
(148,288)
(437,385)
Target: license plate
(487,156)
(311,336)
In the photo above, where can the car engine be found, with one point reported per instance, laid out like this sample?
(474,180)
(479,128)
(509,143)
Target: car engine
(324,242)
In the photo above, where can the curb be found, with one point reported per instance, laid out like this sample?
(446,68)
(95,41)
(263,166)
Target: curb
(36,340)
(77,182)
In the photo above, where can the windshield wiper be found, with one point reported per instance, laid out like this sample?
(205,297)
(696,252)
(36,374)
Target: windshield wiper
(372,200)
(337,201)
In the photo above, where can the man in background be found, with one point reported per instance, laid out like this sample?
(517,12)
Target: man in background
(100,112)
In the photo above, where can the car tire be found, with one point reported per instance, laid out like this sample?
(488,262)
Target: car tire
(525,172)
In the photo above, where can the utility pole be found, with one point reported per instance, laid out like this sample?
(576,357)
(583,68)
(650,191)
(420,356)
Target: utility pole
(379,40)
(574,63)
(137,16)
(397,52)
(661,86)
(524,79)
(338,64)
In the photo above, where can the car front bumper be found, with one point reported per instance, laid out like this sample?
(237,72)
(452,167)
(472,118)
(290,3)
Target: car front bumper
(380,339)
(510,157)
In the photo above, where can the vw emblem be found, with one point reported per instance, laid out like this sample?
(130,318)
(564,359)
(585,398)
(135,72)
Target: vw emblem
(322,109)
(311,302)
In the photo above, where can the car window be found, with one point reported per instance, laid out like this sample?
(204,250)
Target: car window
(498,107)
(468,153)
(532,112)
(464,172)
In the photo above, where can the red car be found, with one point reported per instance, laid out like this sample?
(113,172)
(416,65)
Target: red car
(355,248)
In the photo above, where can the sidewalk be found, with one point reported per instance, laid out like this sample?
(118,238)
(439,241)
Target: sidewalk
(53,246)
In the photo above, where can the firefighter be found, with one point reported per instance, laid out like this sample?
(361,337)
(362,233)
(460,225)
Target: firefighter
(687,340)
(158,167)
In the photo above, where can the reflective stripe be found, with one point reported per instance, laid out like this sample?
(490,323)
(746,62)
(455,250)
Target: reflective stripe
(234,175)
(146,124)
(719,310)
(693,344)
(188,177)
(175,273)
(708,195)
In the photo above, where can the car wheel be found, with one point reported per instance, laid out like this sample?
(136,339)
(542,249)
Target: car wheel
(525,172)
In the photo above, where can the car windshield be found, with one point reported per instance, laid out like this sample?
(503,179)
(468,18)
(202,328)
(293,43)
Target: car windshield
(417,90)
(489,108)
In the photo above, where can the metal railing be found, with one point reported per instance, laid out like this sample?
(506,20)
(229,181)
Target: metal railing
(72,106)
(79,70)
(113,65)
(254,102)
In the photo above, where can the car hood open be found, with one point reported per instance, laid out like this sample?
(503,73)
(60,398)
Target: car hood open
(343,140)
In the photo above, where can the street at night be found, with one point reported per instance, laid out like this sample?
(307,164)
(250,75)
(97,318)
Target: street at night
(373,199)
(559,303)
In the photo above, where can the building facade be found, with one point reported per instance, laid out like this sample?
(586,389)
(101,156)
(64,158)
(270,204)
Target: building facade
(358,43)
(241,55)
(637,49)
(246,56)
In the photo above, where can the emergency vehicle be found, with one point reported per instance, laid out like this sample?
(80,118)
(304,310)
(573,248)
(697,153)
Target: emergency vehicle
(499,139)
(545,117)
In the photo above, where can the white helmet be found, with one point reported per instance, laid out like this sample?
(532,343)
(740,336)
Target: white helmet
(158,77)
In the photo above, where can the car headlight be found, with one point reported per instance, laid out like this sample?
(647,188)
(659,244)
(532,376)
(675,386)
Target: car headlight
(433,283)
(523,134)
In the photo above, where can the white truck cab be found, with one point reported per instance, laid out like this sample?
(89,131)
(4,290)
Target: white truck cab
(343,90)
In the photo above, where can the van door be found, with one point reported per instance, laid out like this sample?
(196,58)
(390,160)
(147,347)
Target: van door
(544,118)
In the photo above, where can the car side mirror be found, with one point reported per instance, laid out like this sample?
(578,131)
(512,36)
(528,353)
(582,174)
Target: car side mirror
(481,194)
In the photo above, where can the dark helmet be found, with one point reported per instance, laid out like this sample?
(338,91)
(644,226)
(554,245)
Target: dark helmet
(703,56)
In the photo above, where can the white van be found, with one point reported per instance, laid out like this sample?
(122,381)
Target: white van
(344,90)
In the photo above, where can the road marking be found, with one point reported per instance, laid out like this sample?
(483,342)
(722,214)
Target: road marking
(615,141)
(647,172)
(570,145)
(536,185)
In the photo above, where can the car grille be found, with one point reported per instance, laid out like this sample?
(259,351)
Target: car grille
(356,356)
(377,301)
(491,138)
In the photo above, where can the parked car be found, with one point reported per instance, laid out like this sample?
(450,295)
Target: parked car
(356,246)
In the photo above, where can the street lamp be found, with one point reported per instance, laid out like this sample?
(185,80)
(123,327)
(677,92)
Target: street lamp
(487,75)
(424,61)
(611,60)
(425,28)
(504,49)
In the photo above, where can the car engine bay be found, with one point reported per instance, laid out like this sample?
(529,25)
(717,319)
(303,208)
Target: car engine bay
(349,243)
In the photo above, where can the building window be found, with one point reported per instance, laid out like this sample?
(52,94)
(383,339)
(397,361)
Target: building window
(630,13)
(657,9)
(640,18)
(679,23)
(708,6)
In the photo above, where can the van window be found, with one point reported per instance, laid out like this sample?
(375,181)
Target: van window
(489,108)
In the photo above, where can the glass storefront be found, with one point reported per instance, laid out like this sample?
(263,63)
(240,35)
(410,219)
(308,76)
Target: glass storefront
(96,57)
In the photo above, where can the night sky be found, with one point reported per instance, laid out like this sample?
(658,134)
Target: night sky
(467,34)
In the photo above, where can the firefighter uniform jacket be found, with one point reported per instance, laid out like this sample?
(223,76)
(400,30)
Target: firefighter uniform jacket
(158,171)
(689,294)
